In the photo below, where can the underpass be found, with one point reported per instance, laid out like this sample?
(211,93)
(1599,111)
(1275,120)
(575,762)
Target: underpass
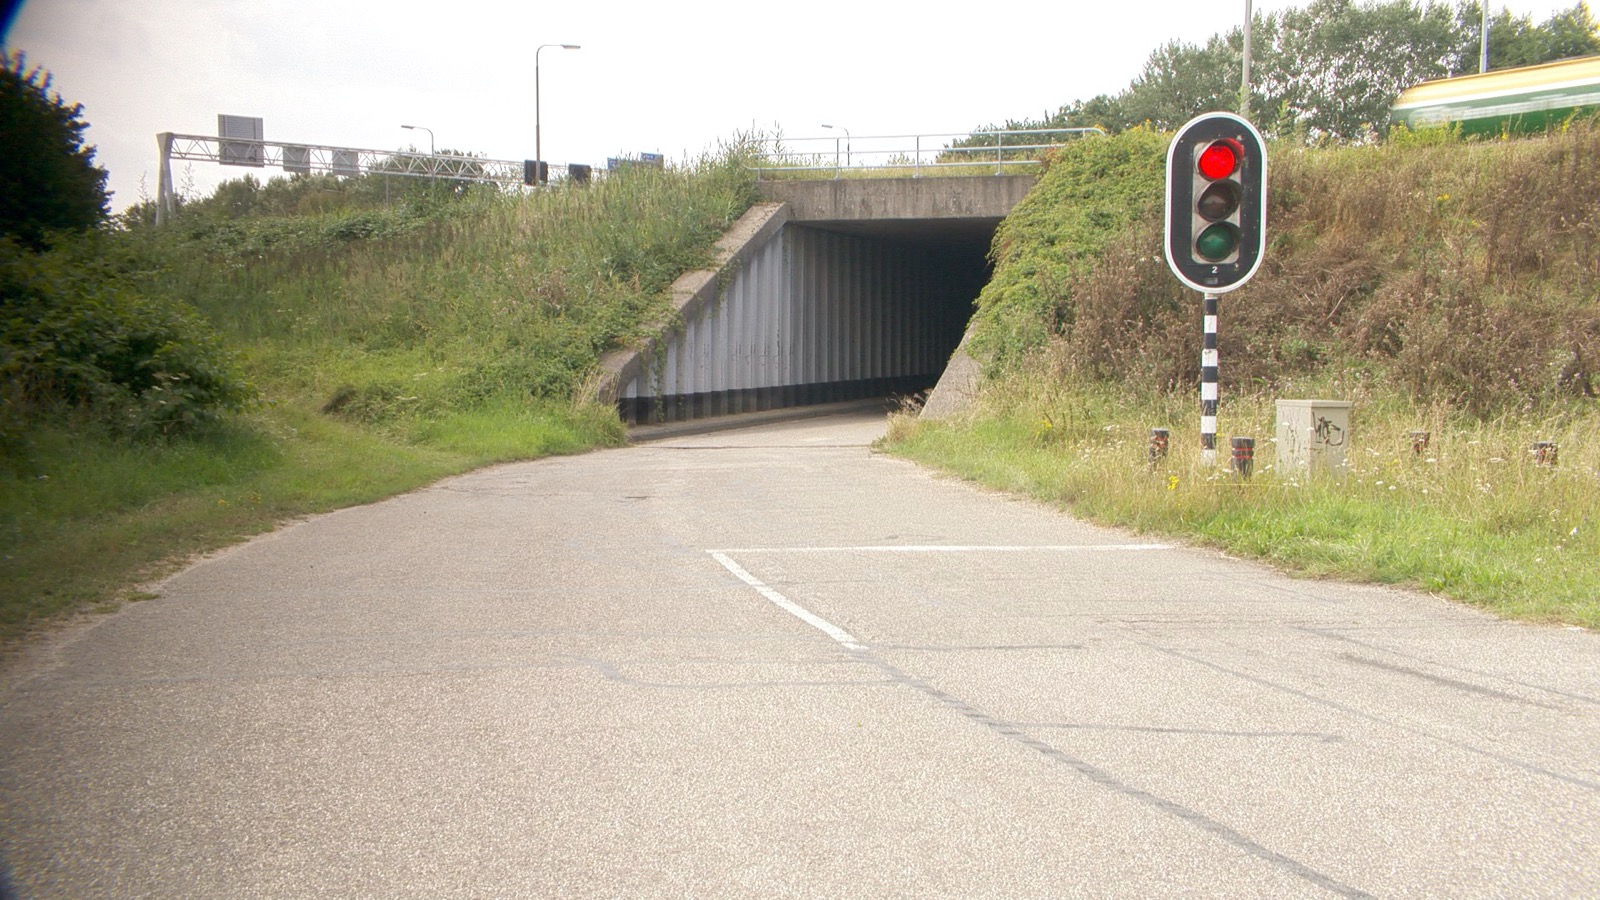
(830,290)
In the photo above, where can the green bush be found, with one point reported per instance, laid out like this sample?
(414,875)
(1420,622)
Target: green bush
(1464,271)
(392,317)
(75,335)
(1091,192)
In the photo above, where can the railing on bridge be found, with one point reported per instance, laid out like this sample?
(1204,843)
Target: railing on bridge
(914,154)
(306,159)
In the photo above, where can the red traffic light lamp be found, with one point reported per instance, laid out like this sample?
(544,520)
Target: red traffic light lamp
(1216,202)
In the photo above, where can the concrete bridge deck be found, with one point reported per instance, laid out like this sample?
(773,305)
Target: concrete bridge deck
(910,205)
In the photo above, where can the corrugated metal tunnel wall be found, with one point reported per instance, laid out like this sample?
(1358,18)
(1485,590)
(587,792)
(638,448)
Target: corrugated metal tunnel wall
(815,316)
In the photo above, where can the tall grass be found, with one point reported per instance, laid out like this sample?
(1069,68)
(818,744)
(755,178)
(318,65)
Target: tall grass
(389,346)
(1463,272)
(1474,517)
(494,298)
(1440,285)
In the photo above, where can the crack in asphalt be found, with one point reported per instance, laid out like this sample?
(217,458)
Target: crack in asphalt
(1015,732)
(1528,767)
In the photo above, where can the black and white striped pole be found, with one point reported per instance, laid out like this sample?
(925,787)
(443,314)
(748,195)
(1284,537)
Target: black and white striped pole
(1216,228)
(1208,383)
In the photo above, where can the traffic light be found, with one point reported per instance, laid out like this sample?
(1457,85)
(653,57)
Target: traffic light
(1216,202)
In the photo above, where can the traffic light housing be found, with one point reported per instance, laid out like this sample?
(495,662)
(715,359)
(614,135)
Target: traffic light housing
(1216,202)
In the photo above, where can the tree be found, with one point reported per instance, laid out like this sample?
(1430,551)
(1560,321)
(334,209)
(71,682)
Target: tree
(1516,41)
(1336,67)
(1565,34)
(1181,81)
(1100,111)
(48,179)
(1330,70)
(1513,40)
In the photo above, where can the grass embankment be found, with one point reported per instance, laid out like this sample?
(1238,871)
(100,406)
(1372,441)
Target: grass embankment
(1441,286)
(388,347)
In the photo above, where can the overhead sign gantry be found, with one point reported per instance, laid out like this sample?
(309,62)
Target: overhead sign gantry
(240,142)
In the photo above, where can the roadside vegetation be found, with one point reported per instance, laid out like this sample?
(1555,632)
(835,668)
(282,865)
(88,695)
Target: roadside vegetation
(1442,285)
(286,348)
(303,344)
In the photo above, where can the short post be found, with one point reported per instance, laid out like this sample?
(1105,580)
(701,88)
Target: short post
(1419,442)
(1545,453)
(1159,438)
(1244,456)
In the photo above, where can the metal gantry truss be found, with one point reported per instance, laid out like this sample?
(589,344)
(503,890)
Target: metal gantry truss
(305,159)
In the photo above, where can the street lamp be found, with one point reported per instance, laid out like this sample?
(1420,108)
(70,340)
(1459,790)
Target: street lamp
(1483,53)
(1244,83)
(538,148)
(836,145)
(431,151)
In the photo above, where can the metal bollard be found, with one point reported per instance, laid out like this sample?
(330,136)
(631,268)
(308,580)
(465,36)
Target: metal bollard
(1244,455)
(1159,437)
(1545,453)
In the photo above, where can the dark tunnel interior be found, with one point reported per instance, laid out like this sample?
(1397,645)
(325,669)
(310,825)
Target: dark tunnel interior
(958,251)
(832,311)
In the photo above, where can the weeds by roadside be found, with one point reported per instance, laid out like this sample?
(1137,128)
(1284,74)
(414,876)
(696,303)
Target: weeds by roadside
(1474,516)
(1440,285)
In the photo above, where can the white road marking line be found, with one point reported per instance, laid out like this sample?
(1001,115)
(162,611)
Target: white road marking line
(789,606)
(954,548)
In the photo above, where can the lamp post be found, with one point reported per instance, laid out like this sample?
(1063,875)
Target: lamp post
(431,151)
(836,145)
(1483,51)
(538,148)
(1244,84)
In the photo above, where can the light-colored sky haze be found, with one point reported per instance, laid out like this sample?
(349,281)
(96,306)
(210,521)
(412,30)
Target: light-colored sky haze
(659,77)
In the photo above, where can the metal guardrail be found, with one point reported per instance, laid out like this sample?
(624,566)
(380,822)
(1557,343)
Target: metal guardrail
(916,153)
(346,161)
(310,158)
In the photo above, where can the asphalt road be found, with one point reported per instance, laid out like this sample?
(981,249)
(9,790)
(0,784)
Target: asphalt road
(771,663)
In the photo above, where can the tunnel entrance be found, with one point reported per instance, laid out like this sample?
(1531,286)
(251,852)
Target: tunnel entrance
(949,262)
(814,309)
(955,252)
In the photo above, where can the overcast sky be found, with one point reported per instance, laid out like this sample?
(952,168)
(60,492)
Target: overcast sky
(668,76)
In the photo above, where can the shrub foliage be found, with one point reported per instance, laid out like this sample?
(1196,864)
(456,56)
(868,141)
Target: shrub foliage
(1467,272)
(74,334)
(394,315)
